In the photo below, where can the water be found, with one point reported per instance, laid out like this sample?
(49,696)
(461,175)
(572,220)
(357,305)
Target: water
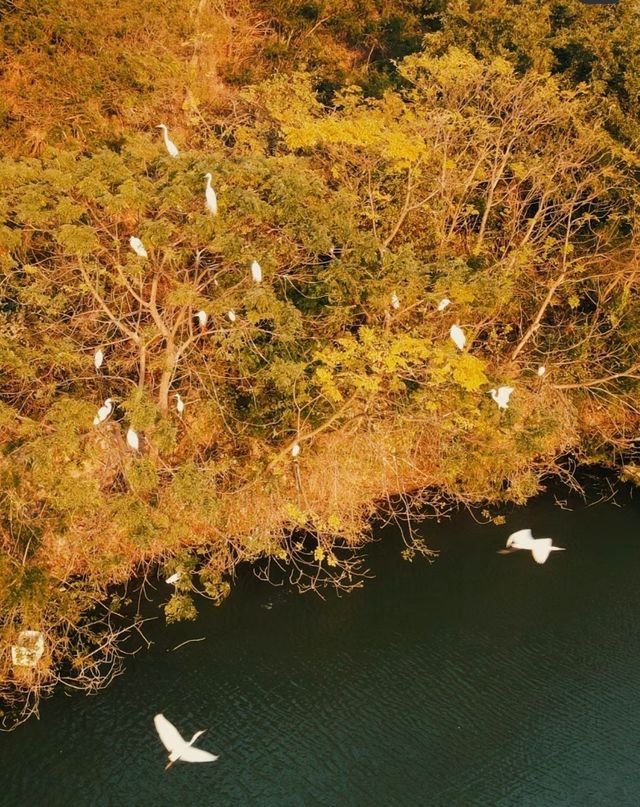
(479,680)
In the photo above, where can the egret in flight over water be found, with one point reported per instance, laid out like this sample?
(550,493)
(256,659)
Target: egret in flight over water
(104,412)
(171,146)
(138,247)
(256,272)
(443,304)
(177,747)
(457,335)
(210,197)
(132,439)
(501,396)
(540,548)
(98,359)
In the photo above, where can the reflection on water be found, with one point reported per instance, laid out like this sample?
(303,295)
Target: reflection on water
(479,680)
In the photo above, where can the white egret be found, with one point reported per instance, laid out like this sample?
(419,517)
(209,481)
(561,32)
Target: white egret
(395,301)
(138,247)
(104,411)
(210,197)
(501,396)
(202,318)
(171,146)
(232,315)
(457,335)
(542,370)
(174,578)
(256,272)
(443,304)
(179,403)
(177,747)
(540,548)
(295,450)
(98,359)
(132,439)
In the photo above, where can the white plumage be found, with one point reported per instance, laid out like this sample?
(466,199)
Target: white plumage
(210,197)
(457,335)
(256,272)
(395,300)
(138,247)
(176,746)
(542,370)
(171,146)
(174,578)
(98,359)
(295,450)
(501,396)
(202,318)
(443,304)
(179,403)
(104,412)
(132,439)
(540,548)
(232,315)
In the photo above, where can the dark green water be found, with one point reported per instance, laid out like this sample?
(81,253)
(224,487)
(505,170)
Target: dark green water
(479,680)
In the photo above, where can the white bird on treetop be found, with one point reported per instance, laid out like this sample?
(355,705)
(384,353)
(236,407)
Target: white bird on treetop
(295,450)
(174,578)
(98,359)
(540,548)
(177,747)
(171,146)
(104,411)
(542,370)
(132,439)
(232,315)
(256,272)
(202,318)
(395,300)
(443,304)
(210,197)
(457,335)
(138,247)
(501,396)
(179,403)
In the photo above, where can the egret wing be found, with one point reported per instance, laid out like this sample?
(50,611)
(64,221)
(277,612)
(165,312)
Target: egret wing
(541,550)
(192,754)
(522,539)
(169,734)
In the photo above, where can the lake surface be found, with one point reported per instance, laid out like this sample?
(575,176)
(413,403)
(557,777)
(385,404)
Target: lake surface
(481,679)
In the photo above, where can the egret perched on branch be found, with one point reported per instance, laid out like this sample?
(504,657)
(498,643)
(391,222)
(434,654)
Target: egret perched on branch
(295,450)
(443,304)
(210,197)
(256,272)
(542,370)
(171,146)
(179,403)
(132,439)
(202,318)
(395,301)
(104,412)
(540,548)
(98,359)
(501,396)
(174,578)
(138,247)
(457,335)
(177,747)
(232,315)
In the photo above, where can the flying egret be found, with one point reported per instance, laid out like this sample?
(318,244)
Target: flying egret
(132,439)
(542,370)
(177,747)
(501,396)
(210,197)
(457,335)
(256,272)
(202,318)
(138,247)
(232,315)
(443,304)
(395,301)
(540,548)
(171,146)
(295,450)
(104,411)
(179,403)
(174,578)
(98,359)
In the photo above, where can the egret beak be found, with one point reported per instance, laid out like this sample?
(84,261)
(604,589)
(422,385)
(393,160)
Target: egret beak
(168,765)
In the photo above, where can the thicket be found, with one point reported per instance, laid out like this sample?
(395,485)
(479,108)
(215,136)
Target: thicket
(474,176)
